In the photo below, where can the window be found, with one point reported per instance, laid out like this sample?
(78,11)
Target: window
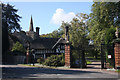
(62,47)
(48,51)
(58,50)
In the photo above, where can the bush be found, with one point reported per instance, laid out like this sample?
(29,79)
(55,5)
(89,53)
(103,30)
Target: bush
(18,47)
(40,60)
(55,60)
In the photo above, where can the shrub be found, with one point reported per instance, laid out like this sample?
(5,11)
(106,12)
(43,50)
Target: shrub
(40,60)
(55,60)
(18,47)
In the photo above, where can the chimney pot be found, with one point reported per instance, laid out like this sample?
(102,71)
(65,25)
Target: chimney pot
(37,31)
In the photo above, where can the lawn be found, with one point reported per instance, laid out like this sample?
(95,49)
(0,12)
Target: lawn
(89,62)
(118,70)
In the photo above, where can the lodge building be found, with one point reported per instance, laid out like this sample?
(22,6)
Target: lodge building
(43,46)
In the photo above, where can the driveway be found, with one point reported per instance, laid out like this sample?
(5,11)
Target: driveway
(18,71)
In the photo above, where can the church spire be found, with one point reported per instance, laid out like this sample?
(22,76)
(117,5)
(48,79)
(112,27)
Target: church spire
(31,25)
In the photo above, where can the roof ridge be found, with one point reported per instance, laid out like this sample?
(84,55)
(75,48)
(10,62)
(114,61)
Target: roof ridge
(48,38)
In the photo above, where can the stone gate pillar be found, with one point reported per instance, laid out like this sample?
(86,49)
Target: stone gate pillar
(117,49)
(67,48)
(117,55)
(67,55)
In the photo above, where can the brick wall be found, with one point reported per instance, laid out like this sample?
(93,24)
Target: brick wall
(117,55)
(67,55)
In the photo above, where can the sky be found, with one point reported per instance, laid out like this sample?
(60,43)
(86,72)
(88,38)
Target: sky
(49,15)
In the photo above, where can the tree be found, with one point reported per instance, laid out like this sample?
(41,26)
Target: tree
(18,47)
(102,22)
(10,24)
(10,18)
(104,16)
(78,36)
(55,34)
(78,31)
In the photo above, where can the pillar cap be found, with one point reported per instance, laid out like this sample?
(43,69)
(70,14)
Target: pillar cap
(68,42)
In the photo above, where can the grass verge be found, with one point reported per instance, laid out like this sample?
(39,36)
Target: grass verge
(89,62)
(118,71)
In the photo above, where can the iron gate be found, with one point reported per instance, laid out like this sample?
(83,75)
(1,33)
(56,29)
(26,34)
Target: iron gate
(105,52)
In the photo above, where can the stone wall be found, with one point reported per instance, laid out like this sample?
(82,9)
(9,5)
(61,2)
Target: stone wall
(10,59)
(19,59)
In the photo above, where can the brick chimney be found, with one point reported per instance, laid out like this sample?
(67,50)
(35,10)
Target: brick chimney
(37,32)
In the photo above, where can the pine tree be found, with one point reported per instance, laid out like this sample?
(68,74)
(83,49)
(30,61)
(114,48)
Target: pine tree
(10,20)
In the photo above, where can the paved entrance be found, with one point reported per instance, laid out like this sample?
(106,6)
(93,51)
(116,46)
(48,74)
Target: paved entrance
(17,71)
(96,64)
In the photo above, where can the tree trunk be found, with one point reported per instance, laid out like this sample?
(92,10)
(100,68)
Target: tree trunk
(95,55)
(5,42)
(83,60)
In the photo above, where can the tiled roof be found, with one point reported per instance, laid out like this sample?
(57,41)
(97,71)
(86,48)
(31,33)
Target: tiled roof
(22,38)
(44,43)
(39,43)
